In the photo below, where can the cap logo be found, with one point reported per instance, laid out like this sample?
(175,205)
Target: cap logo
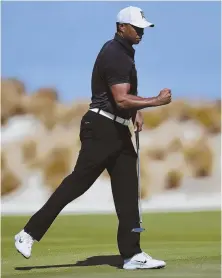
(142,14)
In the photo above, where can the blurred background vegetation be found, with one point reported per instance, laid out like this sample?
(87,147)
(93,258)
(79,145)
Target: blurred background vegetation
(179,140)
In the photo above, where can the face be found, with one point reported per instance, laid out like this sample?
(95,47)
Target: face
(132,33)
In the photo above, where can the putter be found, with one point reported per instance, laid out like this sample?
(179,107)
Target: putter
(138,230)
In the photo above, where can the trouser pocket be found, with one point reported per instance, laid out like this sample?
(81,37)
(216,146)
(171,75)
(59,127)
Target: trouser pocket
(86,128)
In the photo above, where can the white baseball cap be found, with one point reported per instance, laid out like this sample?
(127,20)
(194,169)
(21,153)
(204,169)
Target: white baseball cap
(134,16)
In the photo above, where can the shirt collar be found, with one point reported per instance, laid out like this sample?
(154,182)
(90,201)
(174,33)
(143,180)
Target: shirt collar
(125,44)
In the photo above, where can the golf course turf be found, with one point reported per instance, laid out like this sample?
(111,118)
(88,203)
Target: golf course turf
(85,246)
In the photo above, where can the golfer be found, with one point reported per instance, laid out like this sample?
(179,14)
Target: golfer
(106,143)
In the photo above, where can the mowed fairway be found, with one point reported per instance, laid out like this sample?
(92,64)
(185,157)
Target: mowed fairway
(85,246)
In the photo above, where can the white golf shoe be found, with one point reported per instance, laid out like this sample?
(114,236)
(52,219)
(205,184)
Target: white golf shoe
(142,261)
(23,244)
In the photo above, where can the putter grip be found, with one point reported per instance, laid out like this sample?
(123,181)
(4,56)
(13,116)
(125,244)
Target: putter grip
(137,140)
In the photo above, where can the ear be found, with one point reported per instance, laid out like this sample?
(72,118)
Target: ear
(122,27)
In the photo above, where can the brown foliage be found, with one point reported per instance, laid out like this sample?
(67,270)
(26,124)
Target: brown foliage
(200,159)
(181,110)
(217,105)
(19,85)
(209,117)
(42,104)
(173,179)
(3,164)
(56,166)
(47,94)
(156,153)
(175,145)
(9,182)
(155,117)
(66,114)
(42,109)
(29,150)
(11,91)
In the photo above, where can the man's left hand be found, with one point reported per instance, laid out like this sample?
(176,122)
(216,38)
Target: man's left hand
(138,124)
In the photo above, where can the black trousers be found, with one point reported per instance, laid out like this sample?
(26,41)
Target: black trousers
(106,144)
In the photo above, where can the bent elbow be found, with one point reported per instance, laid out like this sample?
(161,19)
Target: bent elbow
(121,104)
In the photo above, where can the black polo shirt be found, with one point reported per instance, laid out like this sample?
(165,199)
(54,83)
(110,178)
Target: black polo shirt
(114,65)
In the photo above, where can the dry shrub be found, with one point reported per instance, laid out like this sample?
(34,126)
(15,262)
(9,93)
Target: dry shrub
(173,179)
(66,115)
(154,117)
(42,109)
(19,85)
(56,166)
(4,120)
(200,159)
(60,112)
(29,150)
(3,164)
(48,119)
(11,91)
(42,104)
(180,110)
(48,94)
(209,117)
(217,105)
(185,113)
(9,182)
(175,145)
(156,153)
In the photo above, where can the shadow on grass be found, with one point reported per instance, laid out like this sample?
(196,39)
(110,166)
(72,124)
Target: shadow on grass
(111,260)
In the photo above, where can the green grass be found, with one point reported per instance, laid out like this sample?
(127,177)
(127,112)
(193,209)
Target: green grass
(85,246)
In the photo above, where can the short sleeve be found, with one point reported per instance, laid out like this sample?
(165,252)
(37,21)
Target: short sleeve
(117,69)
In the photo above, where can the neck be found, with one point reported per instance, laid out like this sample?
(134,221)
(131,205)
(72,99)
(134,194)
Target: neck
(122,36)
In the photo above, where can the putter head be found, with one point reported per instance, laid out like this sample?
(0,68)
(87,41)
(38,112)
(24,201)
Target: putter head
(138,230)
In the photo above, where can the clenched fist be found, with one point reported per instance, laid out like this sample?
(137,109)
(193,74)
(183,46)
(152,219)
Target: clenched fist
(164,96)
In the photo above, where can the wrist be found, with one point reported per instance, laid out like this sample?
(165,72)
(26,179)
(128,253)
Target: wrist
(156,101)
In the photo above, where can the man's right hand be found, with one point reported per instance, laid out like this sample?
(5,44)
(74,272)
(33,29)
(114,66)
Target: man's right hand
(124,100)
(164,96)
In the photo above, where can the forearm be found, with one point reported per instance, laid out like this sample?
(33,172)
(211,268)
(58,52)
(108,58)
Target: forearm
(124,100)
(137,103)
